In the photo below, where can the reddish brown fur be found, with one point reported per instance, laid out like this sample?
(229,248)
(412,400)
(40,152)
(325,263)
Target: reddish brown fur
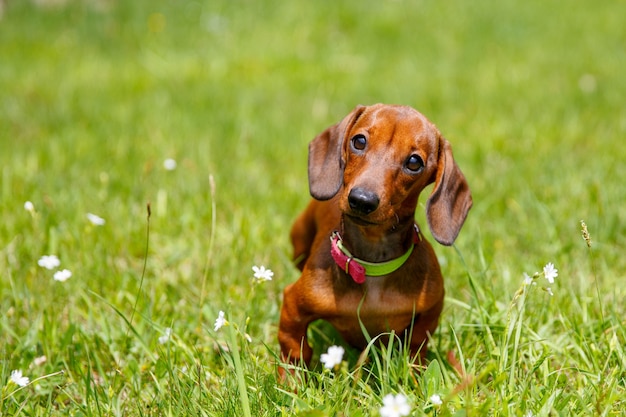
(407,300)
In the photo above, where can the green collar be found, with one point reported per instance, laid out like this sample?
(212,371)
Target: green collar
(358,269)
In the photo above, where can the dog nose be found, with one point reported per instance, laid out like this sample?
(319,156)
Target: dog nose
(363,201)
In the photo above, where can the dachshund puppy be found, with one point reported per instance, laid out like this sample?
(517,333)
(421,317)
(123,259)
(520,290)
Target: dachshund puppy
(362,256)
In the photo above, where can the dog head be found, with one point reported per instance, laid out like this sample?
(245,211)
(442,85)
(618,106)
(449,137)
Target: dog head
(378,159)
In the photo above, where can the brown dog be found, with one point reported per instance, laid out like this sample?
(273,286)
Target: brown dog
(363,259)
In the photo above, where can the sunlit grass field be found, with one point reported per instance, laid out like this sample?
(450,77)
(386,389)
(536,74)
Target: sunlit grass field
(96,95)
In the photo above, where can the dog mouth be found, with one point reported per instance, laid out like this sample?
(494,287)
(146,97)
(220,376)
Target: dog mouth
(360,221)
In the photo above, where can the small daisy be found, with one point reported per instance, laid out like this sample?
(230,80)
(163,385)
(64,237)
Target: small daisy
(166,336)
(220,321)
(40,360)
(435,399)
(332,357)
(395,406)
(63,275)
(95,219)
(528,280)
(49,261)
(28,206)
(550,272)
(262,274)
(169,164)
(16,377)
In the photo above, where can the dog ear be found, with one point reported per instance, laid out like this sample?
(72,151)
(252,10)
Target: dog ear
(450,199)
(326,159)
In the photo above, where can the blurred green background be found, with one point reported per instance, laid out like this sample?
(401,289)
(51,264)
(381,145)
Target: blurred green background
(96,94)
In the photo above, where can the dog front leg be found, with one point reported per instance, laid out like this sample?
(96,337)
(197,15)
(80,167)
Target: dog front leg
(424,325)
(292,329)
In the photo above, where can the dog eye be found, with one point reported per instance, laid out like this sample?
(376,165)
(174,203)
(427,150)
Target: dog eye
(414,163)
(359,142)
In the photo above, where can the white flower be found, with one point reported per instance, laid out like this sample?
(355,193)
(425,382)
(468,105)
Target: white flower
(169,164)
(95,219)
(332,357)
(395,406)
(63,275)
(550,272)
(549,290)
(16,376)
(40,360)
(166,336)
(49,261)
(528,280)
(262,274)
(28,206)
(435,399)
(220,321)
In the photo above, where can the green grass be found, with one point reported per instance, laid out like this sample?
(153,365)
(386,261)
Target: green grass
(95,95)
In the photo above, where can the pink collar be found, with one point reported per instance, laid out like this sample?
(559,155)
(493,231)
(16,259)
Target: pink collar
(358,269)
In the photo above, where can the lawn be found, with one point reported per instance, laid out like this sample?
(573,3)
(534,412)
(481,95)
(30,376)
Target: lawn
(96,96)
